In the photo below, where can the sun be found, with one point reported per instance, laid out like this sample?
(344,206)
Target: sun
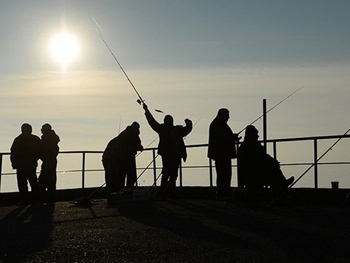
(64,47)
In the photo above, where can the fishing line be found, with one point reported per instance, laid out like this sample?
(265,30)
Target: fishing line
(120,123)
(273,107)
(308,169)
(99,30)
(329,149)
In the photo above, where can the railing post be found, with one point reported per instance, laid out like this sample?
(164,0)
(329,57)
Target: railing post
(0,170)
(83,171)
(315,164)
(265,124)
(136,172)
(154,167)
(274,149)
(211,172)
(238,184)
(180,173)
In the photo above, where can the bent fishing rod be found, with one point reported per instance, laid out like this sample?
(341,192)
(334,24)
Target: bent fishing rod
(318,159)
(273,107)
(273,201)
(98,29)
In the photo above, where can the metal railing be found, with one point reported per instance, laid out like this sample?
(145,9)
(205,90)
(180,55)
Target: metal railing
(156,169)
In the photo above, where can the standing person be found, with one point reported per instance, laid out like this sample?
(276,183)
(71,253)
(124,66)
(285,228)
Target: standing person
(171,147)
(24,157)
(119,159)
(49,152)
(256,168)
(222,148)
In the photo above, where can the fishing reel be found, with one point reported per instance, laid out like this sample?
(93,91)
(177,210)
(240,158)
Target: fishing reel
(140,102)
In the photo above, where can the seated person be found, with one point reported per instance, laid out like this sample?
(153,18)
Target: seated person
(257,169)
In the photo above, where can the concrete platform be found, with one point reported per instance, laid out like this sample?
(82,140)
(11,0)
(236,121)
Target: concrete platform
(180,230)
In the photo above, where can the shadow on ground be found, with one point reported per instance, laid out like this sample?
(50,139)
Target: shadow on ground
(180,230)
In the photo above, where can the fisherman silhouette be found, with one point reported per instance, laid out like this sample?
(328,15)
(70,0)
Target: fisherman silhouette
(25,151)
(171,148)
(49,151)
(257,169)
(119,159)
(222,149)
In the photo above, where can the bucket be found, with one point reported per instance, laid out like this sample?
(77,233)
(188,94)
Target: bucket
(335,185)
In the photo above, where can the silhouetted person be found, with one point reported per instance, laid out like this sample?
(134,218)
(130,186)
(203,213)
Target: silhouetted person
(49,152)
(257,169)
(171,148)
(222,149)
(119,159)
(24,157)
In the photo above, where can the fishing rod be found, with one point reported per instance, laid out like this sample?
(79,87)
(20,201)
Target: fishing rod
(120,123)
(308,169)
(329,149)
(98,29)
(273,107)
(194,125)
(147,146)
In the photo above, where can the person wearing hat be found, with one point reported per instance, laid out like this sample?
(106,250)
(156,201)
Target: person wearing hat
(119,159)
(256,168)
(222,149)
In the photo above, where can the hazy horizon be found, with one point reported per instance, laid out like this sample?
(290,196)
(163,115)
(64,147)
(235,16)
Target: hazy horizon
(187,58)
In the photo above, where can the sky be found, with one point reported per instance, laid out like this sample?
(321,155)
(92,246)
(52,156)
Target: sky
(188,58)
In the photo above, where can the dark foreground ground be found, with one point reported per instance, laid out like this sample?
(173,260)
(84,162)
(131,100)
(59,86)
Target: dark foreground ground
(181,230)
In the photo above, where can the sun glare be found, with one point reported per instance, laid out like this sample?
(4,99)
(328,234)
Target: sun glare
(65,48)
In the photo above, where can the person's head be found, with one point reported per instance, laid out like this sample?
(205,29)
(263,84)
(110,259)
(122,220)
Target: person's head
(46,128)
(135,125)
(223,114)
(26,129)
(168,120)
(251,133)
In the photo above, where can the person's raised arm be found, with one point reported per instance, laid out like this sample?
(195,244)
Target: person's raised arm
(150,119)
(188,127)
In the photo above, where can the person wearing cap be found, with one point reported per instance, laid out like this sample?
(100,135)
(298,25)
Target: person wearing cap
(49,151)
(119,159)
(256,168)
(25,151)
(171,148)
(222,149)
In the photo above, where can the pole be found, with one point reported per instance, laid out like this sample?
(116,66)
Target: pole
(273,107)
(265,124)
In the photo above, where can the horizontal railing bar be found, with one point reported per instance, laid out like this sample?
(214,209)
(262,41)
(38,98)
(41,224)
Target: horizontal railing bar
(275,141)
(326,137)
(194,167)
(205,145)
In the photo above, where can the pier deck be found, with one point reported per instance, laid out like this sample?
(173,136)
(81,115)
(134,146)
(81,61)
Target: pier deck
(180,230)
